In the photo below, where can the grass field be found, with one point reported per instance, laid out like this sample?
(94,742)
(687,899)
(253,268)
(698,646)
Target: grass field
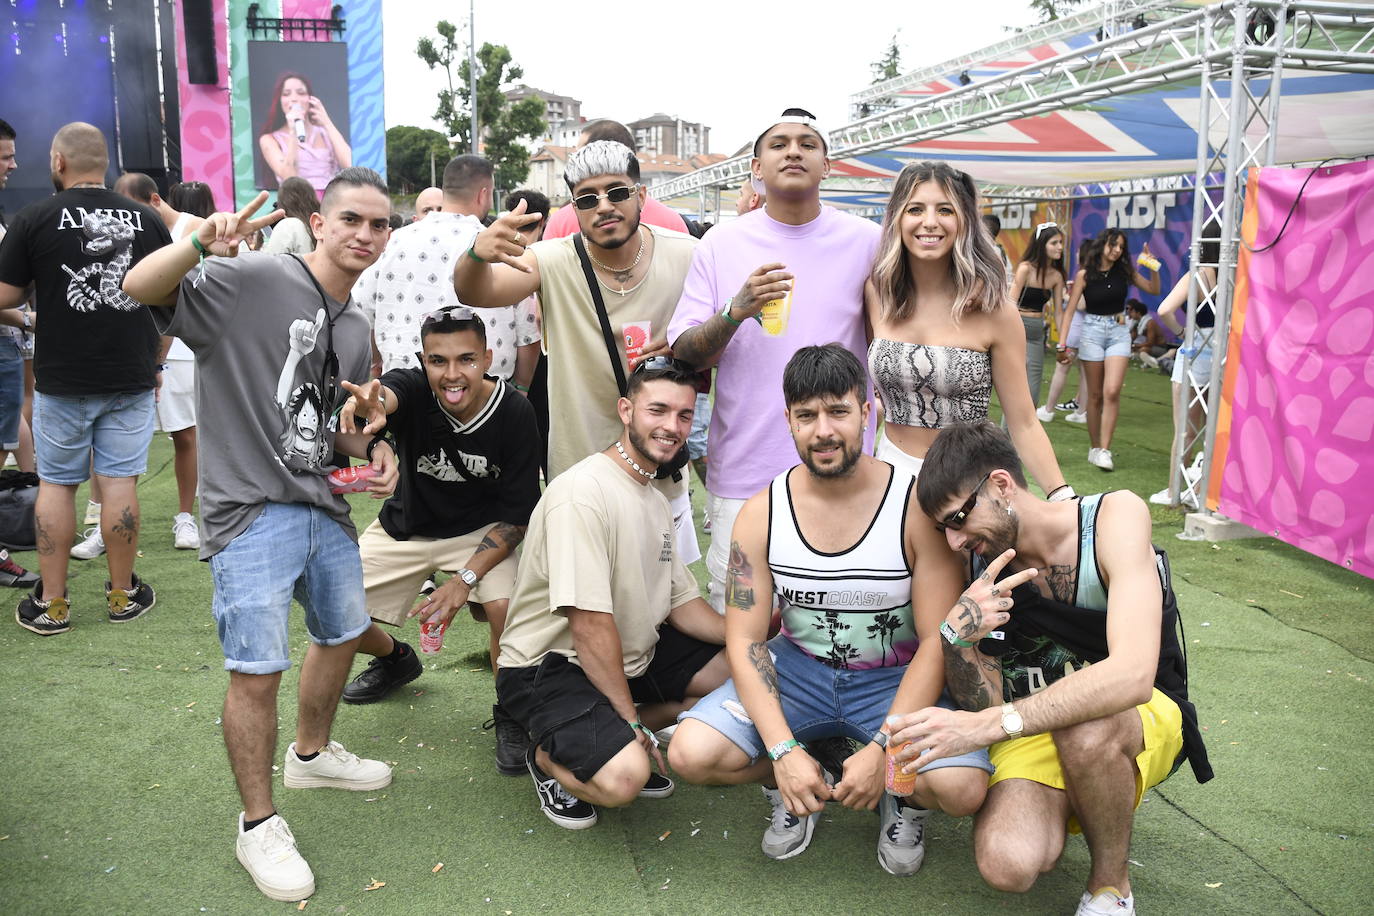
(118,797)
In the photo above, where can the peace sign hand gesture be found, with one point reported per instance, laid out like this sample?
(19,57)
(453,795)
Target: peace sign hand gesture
(986,604)
(222,233)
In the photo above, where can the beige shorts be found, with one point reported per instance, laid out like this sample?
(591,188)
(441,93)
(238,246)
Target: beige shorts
(394,571)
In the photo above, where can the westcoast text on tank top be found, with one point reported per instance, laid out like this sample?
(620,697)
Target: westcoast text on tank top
(851,608)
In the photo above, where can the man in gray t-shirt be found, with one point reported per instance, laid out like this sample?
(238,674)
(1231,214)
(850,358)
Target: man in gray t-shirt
(275,337)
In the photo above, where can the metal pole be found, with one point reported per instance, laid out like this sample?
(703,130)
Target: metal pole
(1280,39)
(472,72)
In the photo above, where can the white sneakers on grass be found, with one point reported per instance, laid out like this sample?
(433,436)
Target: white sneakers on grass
(268,852)
(92,546)
(185,534)
(334,768)
(1101,458)
(1044,414)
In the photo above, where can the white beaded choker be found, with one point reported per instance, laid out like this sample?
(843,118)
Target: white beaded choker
(648,475)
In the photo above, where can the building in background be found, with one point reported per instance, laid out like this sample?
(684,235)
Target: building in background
(562,114)
(670,136)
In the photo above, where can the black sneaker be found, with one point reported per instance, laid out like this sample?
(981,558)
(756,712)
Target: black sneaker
(558,805)
(46,618)
(380,677)
(1069,406)
(130,604)
(13,575)
(512,742)
(658,786)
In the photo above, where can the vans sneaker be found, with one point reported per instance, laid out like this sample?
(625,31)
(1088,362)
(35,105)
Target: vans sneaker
(787,835)
(512,742)
(1069,406)
(13,575)
(185,534)
(558,805)
(91,547)
(658,786)
(269,854)
(46,618)
(901,836)
(334,768)
(131,603)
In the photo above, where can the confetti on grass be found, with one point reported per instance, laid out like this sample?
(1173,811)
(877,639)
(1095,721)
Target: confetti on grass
(664,835)
(375,885)
(436,869)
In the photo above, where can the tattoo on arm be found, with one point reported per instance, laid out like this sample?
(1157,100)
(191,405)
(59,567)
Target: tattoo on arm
(739,579)
(700,345)
(966,682)
(763,664)
(127,526)
(971,615)
(1060,580)
(502,534)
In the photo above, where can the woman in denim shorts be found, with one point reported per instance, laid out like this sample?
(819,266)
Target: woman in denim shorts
(1105,276)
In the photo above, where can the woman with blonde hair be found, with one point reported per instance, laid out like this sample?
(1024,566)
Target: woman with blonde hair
(944,332)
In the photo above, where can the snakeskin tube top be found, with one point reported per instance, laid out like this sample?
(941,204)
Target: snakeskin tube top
(930,387)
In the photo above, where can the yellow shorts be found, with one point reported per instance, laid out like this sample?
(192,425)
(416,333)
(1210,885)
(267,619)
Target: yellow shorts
(394,571)
(1035,758)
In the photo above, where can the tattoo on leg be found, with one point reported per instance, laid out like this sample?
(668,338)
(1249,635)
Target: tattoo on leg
(127,526)
(763,664)
(971,615)
(739,580)
(966,683)
(43,537)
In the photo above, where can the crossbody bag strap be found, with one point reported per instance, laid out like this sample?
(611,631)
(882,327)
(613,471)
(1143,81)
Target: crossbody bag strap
(601,315)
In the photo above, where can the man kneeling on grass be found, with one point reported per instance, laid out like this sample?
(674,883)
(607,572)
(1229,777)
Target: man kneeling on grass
(1075,681)
(468,450)
(608,637)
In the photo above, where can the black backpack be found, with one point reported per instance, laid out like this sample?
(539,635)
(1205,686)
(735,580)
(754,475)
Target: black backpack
(18,493)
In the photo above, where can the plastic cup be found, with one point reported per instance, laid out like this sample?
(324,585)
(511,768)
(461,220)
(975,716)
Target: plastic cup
(898,783)
(432,636)
(775,312)
(354,479)
(636,335)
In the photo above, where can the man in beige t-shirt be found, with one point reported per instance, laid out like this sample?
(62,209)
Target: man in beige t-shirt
(607,636)
(640,270)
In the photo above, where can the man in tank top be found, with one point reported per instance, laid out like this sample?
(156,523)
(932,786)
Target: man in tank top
(1076,682)
(837,541)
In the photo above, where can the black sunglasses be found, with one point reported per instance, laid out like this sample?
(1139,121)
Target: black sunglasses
(955,520)
(616,195)
(661,363)
(448,313)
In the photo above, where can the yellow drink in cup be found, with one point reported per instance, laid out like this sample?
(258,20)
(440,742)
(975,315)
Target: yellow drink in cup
(775,313)
(1148,260)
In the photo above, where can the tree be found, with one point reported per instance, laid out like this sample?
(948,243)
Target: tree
(408,152)
(889,65)
(1050,10)
(501,124)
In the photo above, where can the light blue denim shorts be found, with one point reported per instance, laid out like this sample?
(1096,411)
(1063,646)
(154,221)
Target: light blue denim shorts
(1103,336)
(291,550)
(117,427)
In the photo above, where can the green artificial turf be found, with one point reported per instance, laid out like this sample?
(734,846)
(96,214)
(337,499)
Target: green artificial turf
(118,797)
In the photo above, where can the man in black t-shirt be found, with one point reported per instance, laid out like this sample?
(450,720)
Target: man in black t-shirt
(468,451)
(94,368)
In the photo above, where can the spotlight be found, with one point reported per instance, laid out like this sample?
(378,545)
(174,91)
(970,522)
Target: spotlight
(965,79)
(1139,21)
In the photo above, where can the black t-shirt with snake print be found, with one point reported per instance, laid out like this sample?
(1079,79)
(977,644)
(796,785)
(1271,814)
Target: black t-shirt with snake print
(76,247)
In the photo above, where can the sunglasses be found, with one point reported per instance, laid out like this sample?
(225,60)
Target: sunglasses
(955,520)
(448,313)
(616,195)
(660,363)
(1043,226)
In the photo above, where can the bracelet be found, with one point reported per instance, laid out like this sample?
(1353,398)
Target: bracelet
(377,440)
(475,256)
(780,750)
(519,387)
(195,241)
(725,313)
(951,637)
(1061,493)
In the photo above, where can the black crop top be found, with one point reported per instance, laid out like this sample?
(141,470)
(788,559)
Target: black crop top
(1105,293)
(1033,299)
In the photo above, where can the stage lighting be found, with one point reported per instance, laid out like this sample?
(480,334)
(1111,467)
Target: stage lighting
(1139,21)
(965,79)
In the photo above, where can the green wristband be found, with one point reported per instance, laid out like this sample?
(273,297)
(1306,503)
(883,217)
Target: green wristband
(779,750)
(475,256)
(195,241)
(725,313)
(951,637)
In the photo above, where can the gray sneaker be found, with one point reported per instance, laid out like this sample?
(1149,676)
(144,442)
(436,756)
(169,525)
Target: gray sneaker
(787,835)
(901,837)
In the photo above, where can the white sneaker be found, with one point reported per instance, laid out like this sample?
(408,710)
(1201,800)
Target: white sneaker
(92,513)
(1044,414)
(1101,457)
(901,837)
(185,534)
(268,852)
(335,768)
(1078,416)
(92,547)
(1106,902)
(787,835)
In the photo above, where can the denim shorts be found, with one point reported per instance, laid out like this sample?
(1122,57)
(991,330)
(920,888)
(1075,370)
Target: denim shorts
(118,427)
(1103,336)
(818,702)
(701,422)
(11,391)
(289,550)
(1201,369)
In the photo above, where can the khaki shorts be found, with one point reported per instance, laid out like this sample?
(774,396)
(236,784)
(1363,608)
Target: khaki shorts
(1036,759)
(394,571)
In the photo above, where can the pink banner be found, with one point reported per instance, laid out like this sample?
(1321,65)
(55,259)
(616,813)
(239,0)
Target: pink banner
(206,139)
(1299,442)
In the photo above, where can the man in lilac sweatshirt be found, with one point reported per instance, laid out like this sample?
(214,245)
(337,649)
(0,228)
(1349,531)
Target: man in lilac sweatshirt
(786,276)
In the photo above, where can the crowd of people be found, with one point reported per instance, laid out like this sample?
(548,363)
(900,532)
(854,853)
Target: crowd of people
(878,606)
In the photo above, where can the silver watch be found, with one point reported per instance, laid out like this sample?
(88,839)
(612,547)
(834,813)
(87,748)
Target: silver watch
(468,576)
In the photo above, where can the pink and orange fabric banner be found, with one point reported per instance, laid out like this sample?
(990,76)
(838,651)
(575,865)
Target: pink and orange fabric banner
(1295,431)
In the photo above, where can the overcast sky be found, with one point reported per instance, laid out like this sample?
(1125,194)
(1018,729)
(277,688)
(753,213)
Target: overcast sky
(727,64)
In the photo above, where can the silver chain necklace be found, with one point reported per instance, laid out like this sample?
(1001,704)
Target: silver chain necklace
(622,275)
(647,475)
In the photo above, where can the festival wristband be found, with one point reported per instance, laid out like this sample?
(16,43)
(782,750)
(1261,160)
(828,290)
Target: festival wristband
(475,256)
(519,387)
(781,749)
(951,637)
(195,241)
(641,727)
(1060,493)
(725,313)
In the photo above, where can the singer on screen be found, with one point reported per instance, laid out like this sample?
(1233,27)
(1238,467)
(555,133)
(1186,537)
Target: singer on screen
(299,139)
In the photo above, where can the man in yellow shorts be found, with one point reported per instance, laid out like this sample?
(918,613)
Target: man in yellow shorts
(1068,668)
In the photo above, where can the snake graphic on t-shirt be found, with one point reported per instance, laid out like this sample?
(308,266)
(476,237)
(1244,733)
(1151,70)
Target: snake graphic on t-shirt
(105,233)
